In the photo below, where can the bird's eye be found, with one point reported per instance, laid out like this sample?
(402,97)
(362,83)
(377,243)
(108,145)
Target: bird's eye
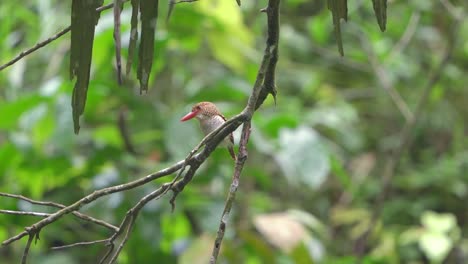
(197,107)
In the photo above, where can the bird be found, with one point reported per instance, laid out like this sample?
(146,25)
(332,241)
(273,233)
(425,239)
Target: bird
(210,118)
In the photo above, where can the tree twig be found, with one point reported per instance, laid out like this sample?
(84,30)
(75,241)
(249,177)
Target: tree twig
(91,197)
(24,213)
(262,87)
(381,75)
(87,243)
(24,258)
(241,158)
(61,206)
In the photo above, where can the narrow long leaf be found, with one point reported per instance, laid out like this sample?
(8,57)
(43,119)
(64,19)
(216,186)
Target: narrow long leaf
(117,39)
(339,10)
(148,17)
(83,21)
(133,34)
(380,9)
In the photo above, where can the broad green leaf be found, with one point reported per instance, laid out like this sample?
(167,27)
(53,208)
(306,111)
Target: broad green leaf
(10,112)
(280,121)
(339,10)
(440,223)
(380,9)
(108,135)
(228,37)
(436,246)
(318,29)
(83,21)
(10,158)
(148,17)
(302,157)
(173,227)
(301,254)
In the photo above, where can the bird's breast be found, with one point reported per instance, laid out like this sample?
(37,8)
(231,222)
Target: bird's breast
(210,124)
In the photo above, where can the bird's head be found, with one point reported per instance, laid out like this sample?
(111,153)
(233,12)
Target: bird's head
(202,111)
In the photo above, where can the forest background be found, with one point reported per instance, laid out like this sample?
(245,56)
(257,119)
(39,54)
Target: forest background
(369,146)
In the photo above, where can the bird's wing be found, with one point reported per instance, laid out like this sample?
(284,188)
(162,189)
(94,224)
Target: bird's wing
(231,139)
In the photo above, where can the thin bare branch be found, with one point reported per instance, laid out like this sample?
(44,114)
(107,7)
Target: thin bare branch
(241,158)
(61,206)
(407,35)
(129,220)
(24,258)
(23,213)
(185,1)
(87,243)
(381,75)
(91,197)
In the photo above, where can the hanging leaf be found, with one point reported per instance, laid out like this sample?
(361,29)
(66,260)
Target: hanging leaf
(148,17)
(118,46)
(339,9)
(133,34)
(380,9)
(170,9)
(83,21)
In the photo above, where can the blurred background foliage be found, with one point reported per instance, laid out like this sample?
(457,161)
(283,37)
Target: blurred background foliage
(315,159)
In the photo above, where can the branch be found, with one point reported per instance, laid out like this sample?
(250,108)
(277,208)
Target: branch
(24,258)
(24,213)
(91,197)
(264,84)
(405,138)
(48,41)
(241,158)
(129,221)
(61,206)
(81,244)
(382,77)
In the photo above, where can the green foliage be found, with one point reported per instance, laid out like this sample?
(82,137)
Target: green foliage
(315,159)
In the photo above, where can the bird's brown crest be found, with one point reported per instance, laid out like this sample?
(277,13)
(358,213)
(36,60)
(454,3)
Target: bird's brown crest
(207,108)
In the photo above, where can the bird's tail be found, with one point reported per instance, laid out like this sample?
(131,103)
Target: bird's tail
(231,151)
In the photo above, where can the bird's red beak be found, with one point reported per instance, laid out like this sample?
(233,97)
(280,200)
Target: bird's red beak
(189,116)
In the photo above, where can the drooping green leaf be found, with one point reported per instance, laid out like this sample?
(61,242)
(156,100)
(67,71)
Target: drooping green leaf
(339,9)
(83,21)
(117,39)
(148,17)
(133,34)
(380,9)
